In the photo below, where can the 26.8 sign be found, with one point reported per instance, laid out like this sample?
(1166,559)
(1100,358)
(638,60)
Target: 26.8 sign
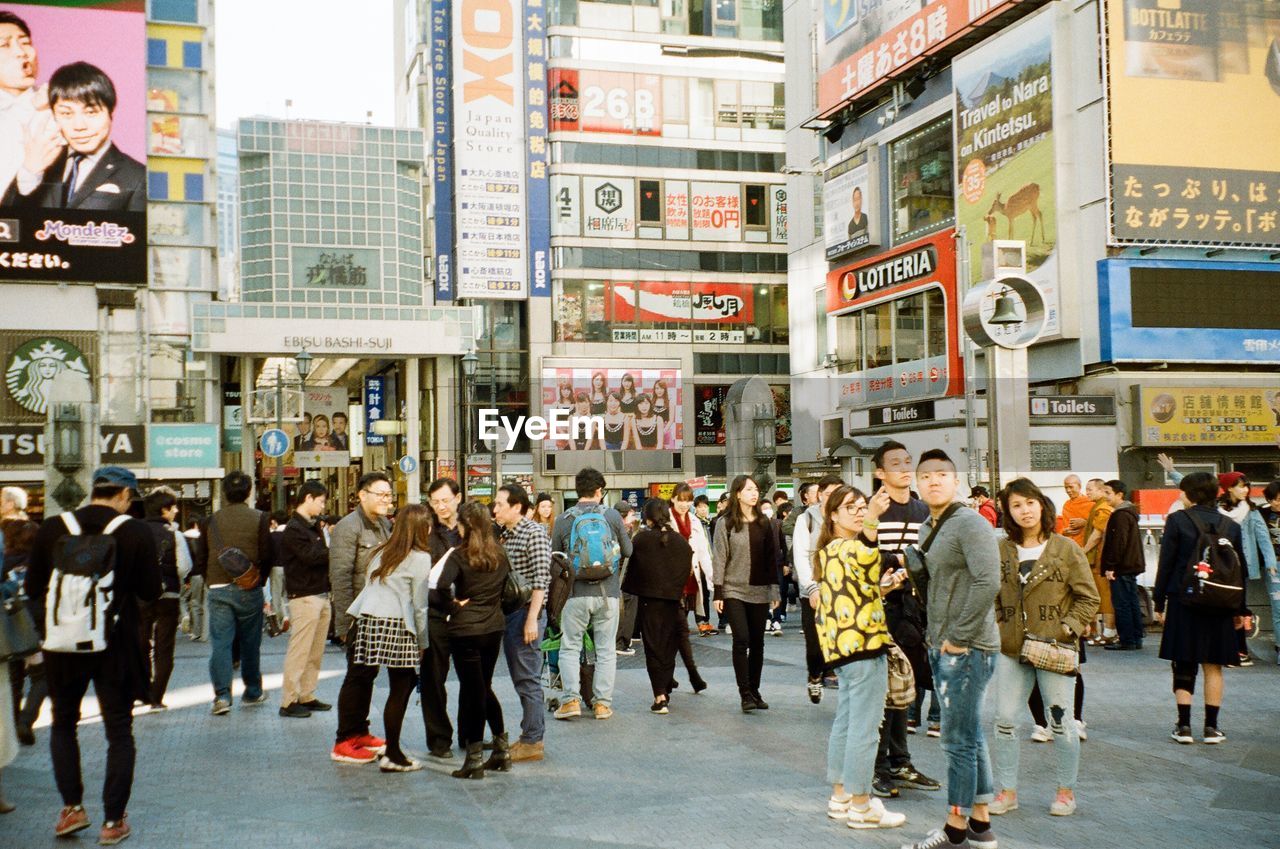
(607,102)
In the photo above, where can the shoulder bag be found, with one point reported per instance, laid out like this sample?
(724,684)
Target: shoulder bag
(1041,652)
(242,571)
(902,680)
(18,636)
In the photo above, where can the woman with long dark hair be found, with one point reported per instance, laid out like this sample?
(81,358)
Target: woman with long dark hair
(390,616)
(854,635)
(645,427)
(656,575)
(1046,593)
(599,393)
(687,524)
(746,560)
(1196,637)
(469,591)
(616,424)
(628,394)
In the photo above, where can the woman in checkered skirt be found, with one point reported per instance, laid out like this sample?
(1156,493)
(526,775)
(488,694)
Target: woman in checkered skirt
(390,630)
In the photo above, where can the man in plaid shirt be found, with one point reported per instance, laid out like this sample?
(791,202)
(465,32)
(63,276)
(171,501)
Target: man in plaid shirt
(529,552)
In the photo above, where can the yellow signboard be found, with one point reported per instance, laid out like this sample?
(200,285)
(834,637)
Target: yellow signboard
(1208,72)
(1209,416)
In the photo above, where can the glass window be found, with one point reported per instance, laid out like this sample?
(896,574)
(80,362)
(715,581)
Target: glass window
(781,320)
(651,202)
(728,103)
(762,106)
(877,334)
(170,90)
(848,338)
(936,321)
(675,100)
(757,207)
(920,177)
(702,114)
(675,17)
(909,323)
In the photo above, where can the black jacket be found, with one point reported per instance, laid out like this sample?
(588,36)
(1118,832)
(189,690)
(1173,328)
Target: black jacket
(660,564)
(1178,548)
(482,613)
(166,553)
(136,578)
(304,558)
(1122,545)
(117,182)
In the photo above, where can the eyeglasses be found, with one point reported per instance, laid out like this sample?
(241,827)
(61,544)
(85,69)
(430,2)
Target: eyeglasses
(441,502)
(381,493)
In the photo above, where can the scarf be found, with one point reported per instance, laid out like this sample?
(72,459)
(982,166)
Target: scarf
(682,525)
(1238,513)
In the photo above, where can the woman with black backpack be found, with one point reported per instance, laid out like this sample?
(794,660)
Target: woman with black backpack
(1199,630)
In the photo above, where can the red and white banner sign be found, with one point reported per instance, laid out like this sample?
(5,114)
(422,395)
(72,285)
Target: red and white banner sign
(707,303)
(606,102)
(716,211)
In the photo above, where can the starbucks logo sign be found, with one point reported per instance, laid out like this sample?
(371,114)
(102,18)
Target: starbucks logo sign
(34,365)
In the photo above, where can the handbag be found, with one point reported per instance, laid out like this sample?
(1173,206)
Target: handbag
(516,591)
(242,571)
(1042,652)
(18,635)
(902,680)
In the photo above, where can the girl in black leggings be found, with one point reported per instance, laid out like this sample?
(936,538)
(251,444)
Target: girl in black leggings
(746,560)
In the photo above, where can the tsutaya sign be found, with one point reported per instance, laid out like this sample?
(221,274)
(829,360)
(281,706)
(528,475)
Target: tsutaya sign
(123,445)
(389,338)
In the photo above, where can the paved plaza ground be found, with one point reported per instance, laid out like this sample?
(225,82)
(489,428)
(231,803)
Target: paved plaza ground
(704,777)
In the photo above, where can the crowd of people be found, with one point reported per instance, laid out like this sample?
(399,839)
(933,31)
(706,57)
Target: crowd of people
(907,596)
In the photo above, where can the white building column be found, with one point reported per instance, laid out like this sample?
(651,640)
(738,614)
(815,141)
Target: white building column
(248,440)
(413,428)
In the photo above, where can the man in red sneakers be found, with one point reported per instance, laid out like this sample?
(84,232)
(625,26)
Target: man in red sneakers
(84,590)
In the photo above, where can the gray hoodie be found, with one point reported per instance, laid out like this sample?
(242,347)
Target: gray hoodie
(963,577)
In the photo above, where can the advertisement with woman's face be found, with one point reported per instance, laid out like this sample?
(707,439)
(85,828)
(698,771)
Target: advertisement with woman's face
(621,408)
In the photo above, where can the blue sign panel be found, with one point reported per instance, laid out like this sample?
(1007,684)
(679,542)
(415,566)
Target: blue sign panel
(408,464)
(538,190)
(183,446)
(1187,311)
(441,151)
(375,408)
(634,497)
(274,443)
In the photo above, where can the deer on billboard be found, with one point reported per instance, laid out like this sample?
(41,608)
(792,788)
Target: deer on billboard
(1025,199)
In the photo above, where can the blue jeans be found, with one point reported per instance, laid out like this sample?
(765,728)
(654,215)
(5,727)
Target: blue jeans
(235,612)
(600,614)
(524,662)
(961,682)
(1124,597)
(855,738)
(935,710)
(1271,580)
(1014,681)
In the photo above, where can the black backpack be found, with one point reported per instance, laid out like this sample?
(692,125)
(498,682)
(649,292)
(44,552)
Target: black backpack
(1214,578)
(167,549)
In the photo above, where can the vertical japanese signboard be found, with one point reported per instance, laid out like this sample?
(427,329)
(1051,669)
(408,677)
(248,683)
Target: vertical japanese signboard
(1005,159)
(1208,73)
(442,144)
(490,156)
(538,192)
(375,408)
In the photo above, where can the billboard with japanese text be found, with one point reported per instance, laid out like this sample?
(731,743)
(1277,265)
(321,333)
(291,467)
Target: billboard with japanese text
(1209,71)
(1209,415)
(73,143)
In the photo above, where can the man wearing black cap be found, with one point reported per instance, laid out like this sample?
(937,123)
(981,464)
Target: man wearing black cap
(118,671)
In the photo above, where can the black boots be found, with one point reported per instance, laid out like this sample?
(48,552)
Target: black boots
(474,765)
(500,760)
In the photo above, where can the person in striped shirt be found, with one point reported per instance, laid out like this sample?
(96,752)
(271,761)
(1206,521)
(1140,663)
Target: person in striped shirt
(899,528)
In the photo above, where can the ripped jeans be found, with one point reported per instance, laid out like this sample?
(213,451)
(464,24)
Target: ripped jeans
(1014,681)
(1271,580)
(961,681)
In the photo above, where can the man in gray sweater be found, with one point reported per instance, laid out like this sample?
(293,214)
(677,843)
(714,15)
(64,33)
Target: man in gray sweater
(960,564)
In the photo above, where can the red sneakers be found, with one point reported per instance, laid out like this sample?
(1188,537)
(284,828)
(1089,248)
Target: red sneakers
(113,832)
(374,744)
(72,819)
(349,752)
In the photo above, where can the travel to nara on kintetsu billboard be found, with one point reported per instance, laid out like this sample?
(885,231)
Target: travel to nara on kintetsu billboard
(73,178)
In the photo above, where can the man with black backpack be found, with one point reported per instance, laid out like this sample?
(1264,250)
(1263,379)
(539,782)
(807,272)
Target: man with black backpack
(88,572)
(596,542)
(158,620)
(235,560)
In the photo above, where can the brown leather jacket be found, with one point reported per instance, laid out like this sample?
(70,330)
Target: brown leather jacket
(1059,595)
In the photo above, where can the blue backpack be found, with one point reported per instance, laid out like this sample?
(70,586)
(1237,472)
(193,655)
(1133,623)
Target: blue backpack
(594,553)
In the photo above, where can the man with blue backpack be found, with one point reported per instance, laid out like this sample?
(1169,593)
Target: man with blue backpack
(596,543)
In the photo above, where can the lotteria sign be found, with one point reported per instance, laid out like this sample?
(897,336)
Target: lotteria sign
(931,259)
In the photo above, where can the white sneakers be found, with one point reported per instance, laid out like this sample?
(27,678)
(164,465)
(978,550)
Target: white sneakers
(873,815)
(1041,735)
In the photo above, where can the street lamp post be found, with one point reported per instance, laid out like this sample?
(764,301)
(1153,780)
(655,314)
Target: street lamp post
(302,362)
(469,363)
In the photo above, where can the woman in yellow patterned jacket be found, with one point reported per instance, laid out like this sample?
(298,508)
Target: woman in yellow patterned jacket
(855,640)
